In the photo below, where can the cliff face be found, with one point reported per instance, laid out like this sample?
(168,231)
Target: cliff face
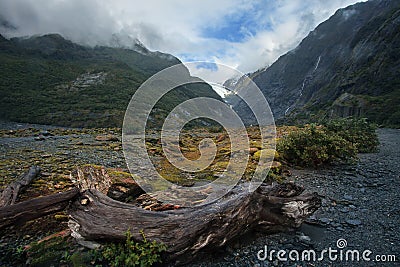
(356,52)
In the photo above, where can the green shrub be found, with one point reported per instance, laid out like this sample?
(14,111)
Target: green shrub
(357,131)
(132,253)
(315,146)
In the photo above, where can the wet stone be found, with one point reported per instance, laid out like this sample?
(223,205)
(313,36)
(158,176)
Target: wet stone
(325,220)
(348,197)
(354,222)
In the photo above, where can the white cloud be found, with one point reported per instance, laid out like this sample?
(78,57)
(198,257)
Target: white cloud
(177,26)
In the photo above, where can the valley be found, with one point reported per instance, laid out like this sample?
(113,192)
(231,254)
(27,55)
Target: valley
(124,181)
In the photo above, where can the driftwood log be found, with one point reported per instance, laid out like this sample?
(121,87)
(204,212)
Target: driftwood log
(35,208)
(10,193)
(187,232)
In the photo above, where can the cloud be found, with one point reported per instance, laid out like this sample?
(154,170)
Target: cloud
(246,34)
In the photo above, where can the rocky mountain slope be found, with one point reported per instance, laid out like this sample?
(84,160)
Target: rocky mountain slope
(348,66)
(50,80)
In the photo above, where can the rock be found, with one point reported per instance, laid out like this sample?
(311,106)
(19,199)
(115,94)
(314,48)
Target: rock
(46,133)
(256,144)
(325,220)
(276,165)
(304,238)
(312,217)
(354,222)
(347,197)
(45,174)
(253,150)
(359,185)
(40,138)
(221,137)
(107,137)
(88,244)
(344,210)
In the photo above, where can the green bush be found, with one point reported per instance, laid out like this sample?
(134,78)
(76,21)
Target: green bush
(357,131)
(315,146)
(132,253)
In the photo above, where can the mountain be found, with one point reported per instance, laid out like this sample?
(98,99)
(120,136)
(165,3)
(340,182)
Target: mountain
(50,80)
(348,66)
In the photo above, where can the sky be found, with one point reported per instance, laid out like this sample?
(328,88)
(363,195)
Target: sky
(244,34)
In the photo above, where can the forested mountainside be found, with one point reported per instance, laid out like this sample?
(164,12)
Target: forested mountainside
(50,80)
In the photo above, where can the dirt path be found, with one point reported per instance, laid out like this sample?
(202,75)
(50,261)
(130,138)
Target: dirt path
(361,205)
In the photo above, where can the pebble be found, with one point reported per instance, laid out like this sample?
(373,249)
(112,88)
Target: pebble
(304,238)
(325,220)
(354,222)
(40,138)
(348,197)
(344,210)
(107,137)
(46,133)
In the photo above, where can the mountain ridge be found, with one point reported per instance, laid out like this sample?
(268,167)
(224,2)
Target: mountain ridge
(356,51)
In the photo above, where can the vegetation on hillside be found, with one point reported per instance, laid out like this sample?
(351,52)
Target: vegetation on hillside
(50,80)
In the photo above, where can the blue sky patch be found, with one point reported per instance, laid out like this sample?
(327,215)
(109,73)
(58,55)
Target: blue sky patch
(240,26)
(207,65)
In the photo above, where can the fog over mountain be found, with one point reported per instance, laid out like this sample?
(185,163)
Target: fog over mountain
(243,34)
